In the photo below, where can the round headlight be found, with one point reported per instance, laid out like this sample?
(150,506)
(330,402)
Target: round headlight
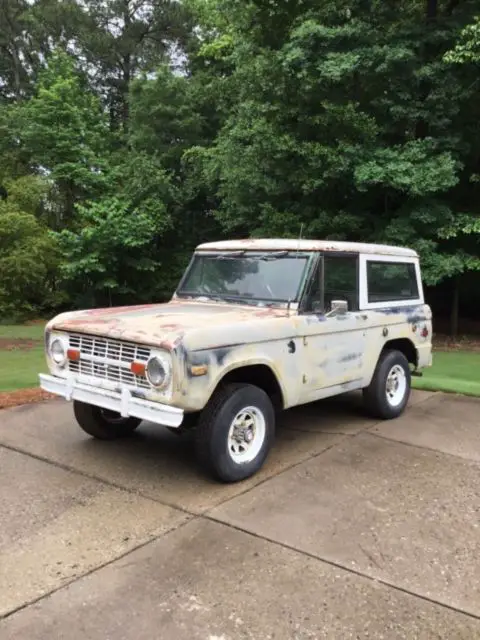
(157,372)
(58,352)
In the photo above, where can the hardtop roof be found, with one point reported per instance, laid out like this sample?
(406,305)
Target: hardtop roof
(307,245)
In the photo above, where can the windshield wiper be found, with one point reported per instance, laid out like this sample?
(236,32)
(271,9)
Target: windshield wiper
(266,257)
(233,254)
(207,297)
(274,256)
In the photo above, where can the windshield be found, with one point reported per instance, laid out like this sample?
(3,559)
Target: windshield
(247,277)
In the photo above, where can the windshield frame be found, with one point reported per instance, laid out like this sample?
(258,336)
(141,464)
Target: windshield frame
(294,303)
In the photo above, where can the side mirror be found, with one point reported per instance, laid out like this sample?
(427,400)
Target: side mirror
(339,307)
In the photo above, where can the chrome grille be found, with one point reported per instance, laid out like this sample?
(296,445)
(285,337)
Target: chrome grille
(108,359)
(109,349)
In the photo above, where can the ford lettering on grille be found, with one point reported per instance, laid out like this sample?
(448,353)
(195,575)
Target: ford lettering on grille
(108,359)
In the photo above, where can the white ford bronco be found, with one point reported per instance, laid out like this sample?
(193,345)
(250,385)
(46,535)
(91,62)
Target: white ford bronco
(255,326)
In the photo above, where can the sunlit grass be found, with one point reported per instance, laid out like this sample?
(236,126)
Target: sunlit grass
(453,372)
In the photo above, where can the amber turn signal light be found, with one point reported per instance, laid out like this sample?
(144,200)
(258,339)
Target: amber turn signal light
(73,355)
(138,368)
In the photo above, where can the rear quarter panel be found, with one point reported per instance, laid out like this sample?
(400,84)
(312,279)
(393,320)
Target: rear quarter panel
(393,323)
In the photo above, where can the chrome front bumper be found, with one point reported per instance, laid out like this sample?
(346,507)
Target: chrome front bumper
(123,403)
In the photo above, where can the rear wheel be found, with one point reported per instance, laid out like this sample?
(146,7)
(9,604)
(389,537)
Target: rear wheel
(387,395)
(103,424)
(235,432)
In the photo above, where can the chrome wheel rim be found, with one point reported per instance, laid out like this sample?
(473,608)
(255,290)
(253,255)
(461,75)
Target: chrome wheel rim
(396,386)
(246,435)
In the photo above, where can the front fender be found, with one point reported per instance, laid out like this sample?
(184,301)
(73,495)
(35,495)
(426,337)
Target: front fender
(219,362)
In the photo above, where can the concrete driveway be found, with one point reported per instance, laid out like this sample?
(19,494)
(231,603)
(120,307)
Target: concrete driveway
(354,529)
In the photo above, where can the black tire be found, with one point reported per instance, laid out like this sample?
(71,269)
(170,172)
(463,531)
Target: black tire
(377,396)
(101,423)
(216,420)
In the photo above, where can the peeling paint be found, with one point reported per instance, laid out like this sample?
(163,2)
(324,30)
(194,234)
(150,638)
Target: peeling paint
(350,357)
(317,317)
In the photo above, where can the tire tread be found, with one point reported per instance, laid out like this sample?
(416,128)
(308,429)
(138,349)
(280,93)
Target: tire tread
(89,419)
(374,397)
(207,433)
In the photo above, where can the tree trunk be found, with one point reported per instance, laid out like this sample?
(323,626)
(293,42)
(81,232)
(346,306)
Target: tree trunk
(452,5)
(432,9)
(455,309)
(17,66)
(127,69)
(126,91)
(422,126)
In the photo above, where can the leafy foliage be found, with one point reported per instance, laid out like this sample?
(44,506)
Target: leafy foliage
(467,48)
(28,255)
(114,256)
(135,130)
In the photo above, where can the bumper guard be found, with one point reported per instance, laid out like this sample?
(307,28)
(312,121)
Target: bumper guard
(123,403)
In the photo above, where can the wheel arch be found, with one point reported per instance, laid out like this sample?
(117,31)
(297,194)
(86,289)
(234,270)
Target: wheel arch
(260,374)
(405,346)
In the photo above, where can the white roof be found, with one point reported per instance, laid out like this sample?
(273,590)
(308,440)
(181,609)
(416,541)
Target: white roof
(306,245)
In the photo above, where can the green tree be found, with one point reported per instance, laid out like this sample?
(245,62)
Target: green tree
(463,232)
(120,39)
(63,134)
(28,253)
(467,49)
(115,256)
(348,121)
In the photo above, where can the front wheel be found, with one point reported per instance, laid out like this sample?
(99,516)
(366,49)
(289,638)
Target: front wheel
(235,432)
(103,424)
(389,391)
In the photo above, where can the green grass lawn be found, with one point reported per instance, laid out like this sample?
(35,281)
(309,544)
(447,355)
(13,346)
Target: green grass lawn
(19,367)
(452,371)
(22,331)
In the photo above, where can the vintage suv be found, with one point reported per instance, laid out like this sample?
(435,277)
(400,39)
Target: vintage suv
(255,326)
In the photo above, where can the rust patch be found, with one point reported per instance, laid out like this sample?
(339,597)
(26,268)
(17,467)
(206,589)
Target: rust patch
(79,322)
(269,313)
(114,310)
(170,327)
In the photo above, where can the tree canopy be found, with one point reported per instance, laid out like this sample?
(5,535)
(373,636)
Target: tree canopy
(131,130)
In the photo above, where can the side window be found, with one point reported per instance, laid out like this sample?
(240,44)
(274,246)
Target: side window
(341,280)
(391,281)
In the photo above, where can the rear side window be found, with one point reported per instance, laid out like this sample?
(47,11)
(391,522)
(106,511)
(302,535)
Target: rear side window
(391,281)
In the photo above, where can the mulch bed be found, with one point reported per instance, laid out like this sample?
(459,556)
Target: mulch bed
(22,344)
(464,343)
(10,399)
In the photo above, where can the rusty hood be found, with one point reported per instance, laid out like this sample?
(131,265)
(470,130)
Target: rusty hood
(167,325)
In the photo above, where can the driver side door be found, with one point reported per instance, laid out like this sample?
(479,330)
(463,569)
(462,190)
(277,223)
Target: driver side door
(332,344)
